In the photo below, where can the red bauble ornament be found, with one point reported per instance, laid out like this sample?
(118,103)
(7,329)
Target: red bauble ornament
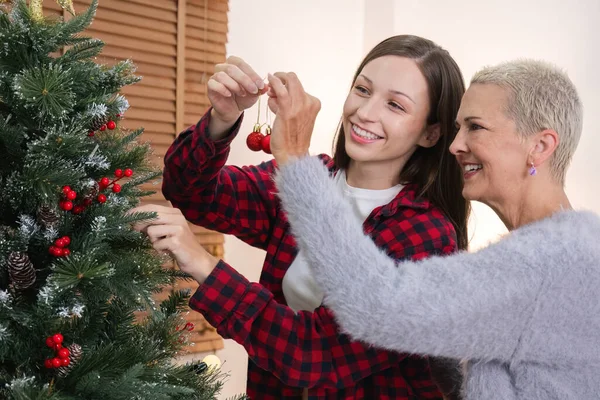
(49,342)
(253,141)
(102,198)
(111,125)
(265,144)
(128,172)
(119,173)
(63,353)
(116,188)
(65,362)
(48,363)
(57,338)
(78,209)
(72,195)
(66,189)
(56,362)
(66,252)
(104,182)
(103,128)
(66,205)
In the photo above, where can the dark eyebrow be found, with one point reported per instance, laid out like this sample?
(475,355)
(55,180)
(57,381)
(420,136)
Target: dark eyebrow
(391,91)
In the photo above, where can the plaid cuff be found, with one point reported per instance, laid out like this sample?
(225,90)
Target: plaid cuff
(212,147)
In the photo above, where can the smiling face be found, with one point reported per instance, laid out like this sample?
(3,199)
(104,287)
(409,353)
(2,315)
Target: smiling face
(385,113)
(493,155)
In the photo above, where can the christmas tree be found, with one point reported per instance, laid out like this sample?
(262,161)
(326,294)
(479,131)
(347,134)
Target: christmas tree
(77,316)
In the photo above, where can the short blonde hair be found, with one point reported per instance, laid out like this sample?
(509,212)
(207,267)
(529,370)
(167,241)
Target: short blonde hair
(541,97)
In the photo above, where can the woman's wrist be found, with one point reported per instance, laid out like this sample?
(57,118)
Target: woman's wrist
(219,126)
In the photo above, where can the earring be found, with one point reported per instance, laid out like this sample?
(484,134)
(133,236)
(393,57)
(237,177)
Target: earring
(532,170)
(254,139)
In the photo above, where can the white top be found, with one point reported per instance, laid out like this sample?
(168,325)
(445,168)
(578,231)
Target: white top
(299,288)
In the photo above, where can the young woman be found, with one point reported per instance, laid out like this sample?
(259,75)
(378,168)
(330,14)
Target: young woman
(392,165)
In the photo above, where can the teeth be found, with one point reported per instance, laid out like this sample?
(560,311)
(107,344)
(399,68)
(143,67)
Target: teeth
(473,167)
(364,134)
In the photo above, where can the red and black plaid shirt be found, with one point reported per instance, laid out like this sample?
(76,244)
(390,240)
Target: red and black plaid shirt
(291,351)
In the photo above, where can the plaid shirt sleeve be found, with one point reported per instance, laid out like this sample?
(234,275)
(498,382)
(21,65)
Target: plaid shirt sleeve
(228,199)
(303,350)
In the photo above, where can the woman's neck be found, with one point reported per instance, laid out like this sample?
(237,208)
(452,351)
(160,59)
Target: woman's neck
(374,175)
(537,204)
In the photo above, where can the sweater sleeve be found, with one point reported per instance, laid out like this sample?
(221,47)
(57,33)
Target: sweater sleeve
(461,306)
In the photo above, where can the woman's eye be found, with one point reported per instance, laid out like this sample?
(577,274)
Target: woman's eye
(396,106)
(361,89)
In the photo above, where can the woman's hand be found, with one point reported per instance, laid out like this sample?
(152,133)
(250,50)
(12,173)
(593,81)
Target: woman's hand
(171,233)
(296,113)
(233,88)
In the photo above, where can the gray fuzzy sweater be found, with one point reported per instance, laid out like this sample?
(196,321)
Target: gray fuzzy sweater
(525,311)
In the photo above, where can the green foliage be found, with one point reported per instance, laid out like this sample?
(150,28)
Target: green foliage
(49,102)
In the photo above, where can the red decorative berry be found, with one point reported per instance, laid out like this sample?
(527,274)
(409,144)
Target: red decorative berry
(265,144)
(56,251)
(119,115)
(48,363)
(116,188)
(66,205)
(57,347)
(72,195)
(63,353)
(60,243)
(66,189)
(91,133)
(103,128)
(65,362)
(87,202)
(57,338)
(119,173)
(253,141)
(78,209)
(102,198)
(104,182)
(111,125)
(56,362)
(189,326)
(66,252)
(49,342)
(67,240)
(128,172)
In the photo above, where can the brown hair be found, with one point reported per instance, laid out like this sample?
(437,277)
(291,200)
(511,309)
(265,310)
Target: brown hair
(434,170)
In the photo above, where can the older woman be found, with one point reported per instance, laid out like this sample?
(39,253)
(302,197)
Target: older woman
(524,311)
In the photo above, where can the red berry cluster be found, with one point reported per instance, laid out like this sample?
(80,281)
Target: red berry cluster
(257,141)
(68,196)
(105,183)
(109,125)
(62,354)
(60,247)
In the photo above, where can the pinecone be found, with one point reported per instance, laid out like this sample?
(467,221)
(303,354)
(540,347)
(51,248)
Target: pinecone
(97,122)
(20,270)
(75,354)
(93,191)
(48,217)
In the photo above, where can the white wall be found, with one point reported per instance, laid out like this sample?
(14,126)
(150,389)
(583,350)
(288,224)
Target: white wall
(323,42)
(479,33)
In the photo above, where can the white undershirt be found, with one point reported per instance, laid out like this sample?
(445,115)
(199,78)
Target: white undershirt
(299,288)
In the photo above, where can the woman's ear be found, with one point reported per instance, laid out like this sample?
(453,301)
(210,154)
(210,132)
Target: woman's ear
(431,136)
